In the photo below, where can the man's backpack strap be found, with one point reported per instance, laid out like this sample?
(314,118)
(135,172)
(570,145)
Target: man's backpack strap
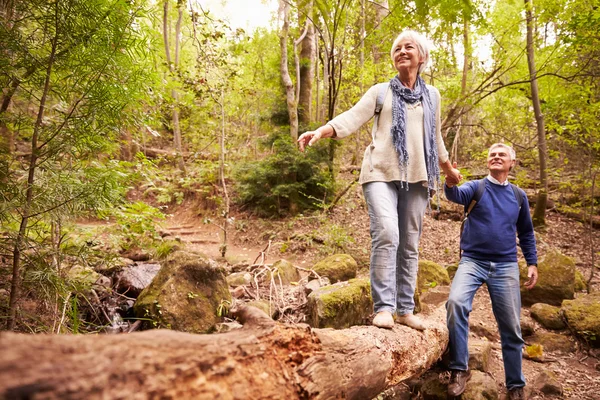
(518,194)
(476,197)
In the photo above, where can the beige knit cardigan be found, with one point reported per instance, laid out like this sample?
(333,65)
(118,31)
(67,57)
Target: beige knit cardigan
(380,162)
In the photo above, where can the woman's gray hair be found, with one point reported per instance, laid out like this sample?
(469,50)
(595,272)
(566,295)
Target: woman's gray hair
(421,42)
(511,151)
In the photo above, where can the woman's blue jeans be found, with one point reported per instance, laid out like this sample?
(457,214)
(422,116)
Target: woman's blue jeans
(502,280)
(396,216)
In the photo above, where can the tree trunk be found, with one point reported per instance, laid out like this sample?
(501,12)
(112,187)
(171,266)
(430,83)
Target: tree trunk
(172,69)
(15,287)
(285,75)
(264,360)
(382,9)
(539,213)
(307,66)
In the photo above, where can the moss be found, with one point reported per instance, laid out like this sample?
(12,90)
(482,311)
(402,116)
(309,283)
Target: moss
(285,271)
(340,305)
(431,274)
(556,280)
(335,300)
(548,316)
(580,284)
(338,267)
(583,316)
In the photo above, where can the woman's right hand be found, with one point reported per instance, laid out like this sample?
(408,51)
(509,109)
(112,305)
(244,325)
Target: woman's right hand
(309,138)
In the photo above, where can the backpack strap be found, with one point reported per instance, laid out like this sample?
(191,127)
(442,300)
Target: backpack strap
(383,88)
(518,195)
(468,208)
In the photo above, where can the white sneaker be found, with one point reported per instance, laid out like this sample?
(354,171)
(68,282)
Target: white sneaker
(384,319)
(411,321)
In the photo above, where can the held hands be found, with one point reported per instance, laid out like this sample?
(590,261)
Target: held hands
(532,277)
(453,176)
(309,138)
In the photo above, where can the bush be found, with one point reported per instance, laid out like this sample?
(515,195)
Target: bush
(286,180)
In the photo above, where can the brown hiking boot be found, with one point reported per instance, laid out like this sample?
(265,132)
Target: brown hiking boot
(458,382)
(516,394)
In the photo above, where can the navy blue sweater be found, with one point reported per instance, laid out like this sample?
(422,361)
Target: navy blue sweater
(490,231)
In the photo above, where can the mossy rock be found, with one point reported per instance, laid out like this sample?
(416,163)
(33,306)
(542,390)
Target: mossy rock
(85,276)
(556,280)
(451,269)
(431,274)
(433,388)
(548,316)
(340,305)
(284,273)
(263,305)
(548,383)
(481,386)
(338,267)
(553,342)
(480,351)
(188,294)
(580,282)
(583,316)
(239,279)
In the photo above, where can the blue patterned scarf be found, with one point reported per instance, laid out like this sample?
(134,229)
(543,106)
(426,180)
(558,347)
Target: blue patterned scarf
(401,96)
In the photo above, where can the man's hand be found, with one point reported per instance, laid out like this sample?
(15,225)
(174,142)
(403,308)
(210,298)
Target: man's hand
(532,277)
(309,138)
(453,176)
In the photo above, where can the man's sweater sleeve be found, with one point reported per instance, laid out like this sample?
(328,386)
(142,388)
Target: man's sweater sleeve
(526,233)
(461,194)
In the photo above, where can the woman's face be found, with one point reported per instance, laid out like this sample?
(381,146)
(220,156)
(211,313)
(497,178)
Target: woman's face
(406,55)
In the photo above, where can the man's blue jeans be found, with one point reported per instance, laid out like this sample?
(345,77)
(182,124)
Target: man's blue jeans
(396,216)
(502,280)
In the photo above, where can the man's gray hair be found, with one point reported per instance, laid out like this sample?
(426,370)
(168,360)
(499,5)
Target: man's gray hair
(511,151)
(421,42)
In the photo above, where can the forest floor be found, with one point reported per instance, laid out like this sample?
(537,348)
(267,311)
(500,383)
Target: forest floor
(304,240)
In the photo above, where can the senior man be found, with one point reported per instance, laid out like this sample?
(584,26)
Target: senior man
(489,255)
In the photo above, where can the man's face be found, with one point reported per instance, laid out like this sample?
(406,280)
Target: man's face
(499,159)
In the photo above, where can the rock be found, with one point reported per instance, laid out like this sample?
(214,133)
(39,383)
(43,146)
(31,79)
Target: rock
(479,354)
(452,268)
(432,388)
(580,282)
(338,267)
(548,316)
(583,316)
(547,382)
(83,275)
(340,305)
(556,281)
(527,325)
(188,294)
(553,342)
(430,275)
(481,386)
(481,330)
(136,254)
(239,279)
(227,327)
(315,284)
(284,273)
(238,292)
(436,295)
(115,265)
(264,306)
(132,280)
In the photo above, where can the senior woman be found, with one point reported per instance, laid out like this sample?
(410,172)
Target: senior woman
(399,173)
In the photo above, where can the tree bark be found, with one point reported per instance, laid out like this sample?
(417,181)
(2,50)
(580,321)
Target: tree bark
(307,66)
(292,106)
(264,360)
(539,213)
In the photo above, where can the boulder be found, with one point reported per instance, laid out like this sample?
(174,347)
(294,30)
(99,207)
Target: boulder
(553,342)
(340,305)
(283,273)
(188,294)
(315,284)
(527,325)
(451,269)
(580,282)
(83,275)
(264,306)
(133,279)
(430,275)
(239,279)
(338,267)
(583,317)
(556,281)
(481,386)
(547,383)
(480,351)
(432,388)
(548,316)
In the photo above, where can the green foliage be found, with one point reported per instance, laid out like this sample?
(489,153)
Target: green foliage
(135,224)
(286,181)
(335,239)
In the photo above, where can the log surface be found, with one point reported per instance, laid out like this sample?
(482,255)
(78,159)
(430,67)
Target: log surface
(264,360)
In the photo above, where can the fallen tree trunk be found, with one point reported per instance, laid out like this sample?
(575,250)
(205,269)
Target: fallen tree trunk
(264,360)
